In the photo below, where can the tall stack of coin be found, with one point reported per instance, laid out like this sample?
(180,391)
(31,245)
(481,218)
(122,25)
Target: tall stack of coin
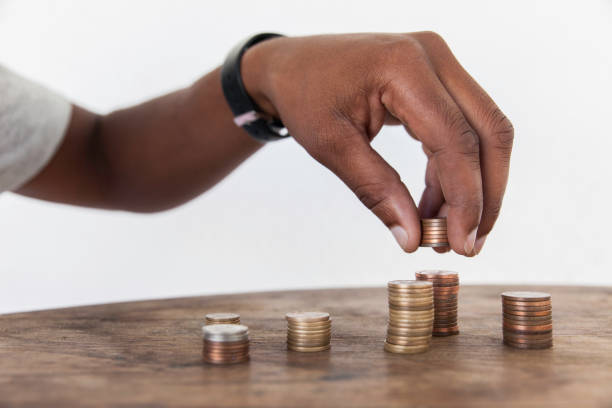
(446,291)
(433,232)
(411,316)
(527,320)
(225,343)
(308,331)
(222,318)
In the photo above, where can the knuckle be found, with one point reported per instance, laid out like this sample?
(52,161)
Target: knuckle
(462,137)
(502,129)
(432,37)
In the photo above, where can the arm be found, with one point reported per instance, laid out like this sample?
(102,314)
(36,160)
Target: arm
(148,157)
(334,94)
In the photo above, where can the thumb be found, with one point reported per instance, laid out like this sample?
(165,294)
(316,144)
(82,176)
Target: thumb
(379,188)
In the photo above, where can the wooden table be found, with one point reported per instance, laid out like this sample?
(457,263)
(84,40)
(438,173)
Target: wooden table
(149,354)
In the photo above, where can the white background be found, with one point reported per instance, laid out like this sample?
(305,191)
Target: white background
(281,220)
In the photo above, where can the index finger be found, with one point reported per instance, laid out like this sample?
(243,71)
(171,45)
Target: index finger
(429,112)
(495,130)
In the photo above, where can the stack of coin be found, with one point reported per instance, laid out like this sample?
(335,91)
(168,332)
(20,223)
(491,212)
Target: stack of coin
(222,318)
(308,331)
(527,320)
(411,315)
(433,232)
(446,291)
(226,343)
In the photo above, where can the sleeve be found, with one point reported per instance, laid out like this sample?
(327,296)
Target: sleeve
(33,121)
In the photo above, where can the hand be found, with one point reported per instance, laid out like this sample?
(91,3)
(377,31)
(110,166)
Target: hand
(334,93)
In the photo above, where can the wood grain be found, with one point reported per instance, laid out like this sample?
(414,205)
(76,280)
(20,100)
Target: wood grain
(149,354)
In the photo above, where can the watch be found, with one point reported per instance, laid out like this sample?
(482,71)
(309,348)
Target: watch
(247,114)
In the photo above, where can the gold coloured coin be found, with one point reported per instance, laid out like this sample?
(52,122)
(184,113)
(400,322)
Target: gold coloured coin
(399,349)
(308,349)
(307,316)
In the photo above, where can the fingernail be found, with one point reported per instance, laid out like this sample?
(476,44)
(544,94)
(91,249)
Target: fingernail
(400,235)
(468,247)
(479,244)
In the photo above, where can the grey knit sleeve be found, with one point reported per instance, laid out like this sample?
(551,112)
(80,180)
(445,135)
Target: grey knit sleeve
(33,121)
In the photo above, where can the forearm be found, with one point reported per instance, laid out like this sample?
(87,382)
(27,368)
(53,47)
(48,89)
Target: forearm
(148,157)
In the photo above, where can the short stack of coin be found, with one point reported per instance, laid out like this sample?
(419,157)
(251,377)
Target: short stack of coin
(433,232)
(527,320)
(308,331)
(225,343)
(411,316)
(222,318)
(446,292)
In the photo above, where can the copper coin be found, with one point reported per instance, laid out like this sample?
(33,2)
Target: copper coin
(527,318)
(231,349)
(527,308)
(443,244)
(442,292)
(437,274)
(446,329)
(530,304)
(534,346)
(434,236)
(434,226)
(409,340)
(226,356)
(523,328)
(434,241)
(442,313)
(527,337)
(445,285)
(525,296)
(433,219)
(528,322)
(226,343)
(528,313)
(226,362)
(437,326)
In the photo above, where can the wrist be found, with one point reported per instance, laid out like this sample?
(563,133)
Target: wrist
(257,69)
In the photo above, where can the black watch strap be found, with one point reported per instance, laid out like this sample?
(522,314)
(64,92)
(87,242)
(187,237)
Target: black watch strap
(246,112)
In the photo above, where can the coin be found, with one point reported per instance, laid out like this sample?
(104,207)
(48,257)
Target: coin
(507,309)
(310,332)
(308,349)
(525,296)
(522,303)
(309,326)
(528,313)
(527,328)
(307,316)
(409,284)
(513,336)
(307,343)
(400,349)
(409,341)
(529,345)
(527,318)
